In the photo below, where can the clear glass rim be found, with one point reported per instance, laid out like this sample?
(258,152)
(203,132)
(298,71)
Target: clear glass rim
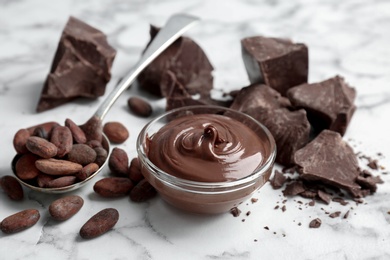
(179,182)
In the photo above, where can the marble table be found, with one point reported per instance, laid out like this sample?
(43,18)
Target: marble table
(349,38)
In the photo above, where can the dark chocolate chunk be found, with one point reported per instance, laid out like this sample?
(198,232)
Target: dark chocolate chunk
(279,63)
(373,164)
(330,160)
(294,188)
(329,104)
(186,60)
(278,180)
(291,130)
(81,66)
(315,223)
(258,95)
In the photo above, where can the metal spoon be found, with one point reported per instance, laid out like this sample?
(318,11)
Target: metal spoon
(174,28)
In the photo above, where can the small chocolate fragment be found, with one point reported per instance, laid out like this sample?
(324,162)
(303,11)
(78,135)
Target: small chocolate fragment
(335,214)
(330,160)
(329,104)
(279,63)
(340,200)
(235,212)
(315,223)
(294,188)
(186,60)
(291,130)
(324,196)
(81,66)
(278,180)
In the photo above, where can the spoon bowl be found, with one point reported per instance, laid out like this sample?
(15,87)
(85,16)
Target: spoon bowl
(174,28)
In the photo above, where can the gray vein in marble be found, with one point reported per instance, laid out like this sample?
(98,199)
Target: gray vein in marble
(233,254)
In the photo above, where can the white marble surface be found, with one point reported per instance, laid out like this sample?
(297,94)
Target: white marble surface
(350,38)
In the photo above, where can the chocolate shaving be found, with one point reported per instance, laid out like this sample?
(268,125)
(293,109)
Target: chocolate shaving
(324,196)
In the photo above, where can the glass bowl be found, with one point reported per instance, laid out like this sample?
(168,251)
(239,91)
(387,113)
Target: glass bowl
(202,196)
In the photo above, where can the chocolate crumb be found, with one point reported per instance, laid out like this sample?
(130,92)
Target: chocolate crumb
(373,164)
(312,203)
(335,214)
(299,224)
(266,228)
(315,223)
(276,207)
(248,213)
(284,208)
(243,220)
(346,215)
(235,212)
(254,200)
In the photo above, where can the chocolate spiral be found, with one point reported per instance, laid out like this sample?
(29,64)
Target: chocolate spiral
(207,148)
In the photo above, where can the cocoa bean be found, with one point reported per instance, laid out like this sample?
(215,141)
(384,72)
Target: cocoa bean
(94,143)
(61,137)
(143,191)
(48,126)
(11,187)
(134,171)
(41,132)
(87,171)
(116,132)
(20,140)
(19,221)
(41,147)
(77,133)
(44,179)
(61,182)
(101,155)
(118,162)
(66,207)
(139,106)
(99,223)
(111,187)
(25,167)
(82,154)
(57,167)
(93,129)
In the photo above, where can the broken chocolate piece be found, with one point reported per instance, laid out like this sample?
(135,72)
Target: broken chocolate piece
(186,60)
(324,196)
(315,223)
(81,66)
(340,200)
(329,104)
(259,95)
(279,63)
(369,182)
(330,160)
(294,188)
(278,180)
(291,130)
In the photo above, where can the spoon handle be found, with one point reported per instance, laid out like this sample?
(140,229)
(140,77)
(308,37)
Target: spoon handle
(174,28)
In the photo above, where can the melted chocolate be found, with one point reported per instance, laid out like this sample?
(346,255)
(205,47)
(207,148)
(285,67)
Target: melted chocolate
(208,148)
